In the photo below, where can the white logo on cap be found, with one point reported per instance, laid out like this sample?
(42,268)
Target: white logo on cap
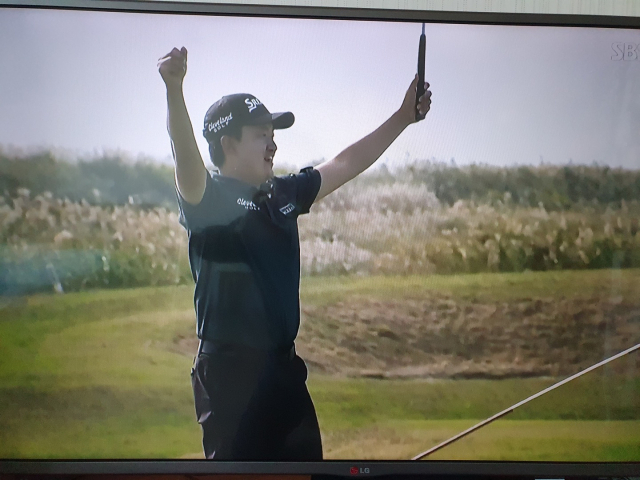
(219,124)
(252,103)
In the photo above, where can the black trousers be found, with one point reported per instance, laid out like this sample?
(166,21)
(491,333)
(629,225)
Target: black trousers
(255,406)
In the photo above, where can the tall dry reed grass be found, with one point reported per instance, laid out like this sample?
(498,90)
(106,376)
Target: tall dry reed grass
(44,239)
(402,228)
(363,228)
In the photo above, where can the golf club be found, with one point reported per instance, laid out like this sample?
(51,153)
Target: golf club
(513,407)
(421,54)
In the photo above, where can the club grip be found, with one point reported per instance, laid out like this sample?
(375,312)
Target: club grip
(420,90)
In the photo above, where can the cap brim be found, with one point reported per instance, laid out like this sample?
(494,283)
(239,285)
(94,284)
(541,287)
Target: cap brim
(280,120)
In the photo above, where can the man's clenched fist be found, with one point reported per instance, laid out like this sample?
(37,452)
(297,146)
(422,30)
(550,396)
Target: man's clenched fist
(173,67)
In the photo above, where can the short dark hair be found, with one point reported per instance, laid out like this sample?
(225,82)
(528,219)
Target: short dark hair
(215,147)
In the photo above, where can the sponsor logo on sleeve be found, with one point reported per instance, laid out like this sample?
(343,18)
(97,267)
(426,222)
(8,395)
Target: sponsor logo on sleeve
(287,209)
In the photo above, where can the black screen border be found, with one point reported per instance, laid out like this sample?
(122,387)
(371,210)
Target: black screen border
(366,468)
(333,13)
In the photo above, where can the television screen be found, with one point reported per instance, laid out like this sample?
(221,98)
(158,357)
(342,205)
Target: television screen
(190,282)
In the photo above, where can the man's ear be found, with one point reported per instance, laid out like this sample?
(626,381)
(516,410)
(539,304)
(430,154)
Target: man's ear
(228,144)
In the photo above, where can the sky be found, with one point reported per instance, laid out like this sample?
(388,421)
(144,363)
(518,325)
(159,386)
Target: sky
(84,83)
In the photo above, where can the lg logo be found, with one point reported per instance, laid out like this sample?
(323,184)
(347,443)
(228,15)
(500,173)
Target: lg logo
(361,470)
(625,51)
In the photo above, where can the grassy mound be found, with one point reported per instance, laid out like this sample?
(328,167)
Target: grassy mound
(105,374)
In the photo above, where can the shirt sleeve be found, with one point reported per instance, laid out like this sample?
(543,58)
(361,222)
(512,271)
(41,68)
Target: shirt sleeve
(307,188)
(197,217)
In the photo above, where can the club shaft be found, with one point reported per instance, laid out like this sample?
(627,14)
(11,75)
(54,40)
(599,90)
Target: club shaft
(422,46)
(526,400)
(464,434)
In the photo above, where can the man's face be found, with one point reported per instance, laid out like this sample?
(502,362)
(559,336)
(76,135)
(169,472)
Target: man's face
(254,153)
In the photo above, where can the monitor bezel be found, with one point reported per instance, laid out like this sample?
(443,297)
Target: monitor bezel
(335,13)
(327,467)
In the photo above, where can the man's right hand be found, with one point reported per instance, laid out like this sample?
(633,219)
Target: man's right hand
(173,67)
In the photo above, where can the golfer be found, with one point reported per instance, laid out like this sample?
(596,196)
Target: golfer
(249,385)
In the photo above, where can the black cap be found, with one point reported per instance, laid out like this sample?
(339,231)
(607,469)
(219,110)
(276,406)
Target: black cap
(241,109)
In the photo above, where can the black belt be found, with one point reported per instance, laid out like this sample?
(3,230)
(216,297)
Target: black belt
(208,347)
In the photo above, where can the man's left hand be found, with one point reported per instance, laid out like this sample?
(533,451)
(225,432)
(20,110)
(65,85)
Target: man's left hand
(408,108)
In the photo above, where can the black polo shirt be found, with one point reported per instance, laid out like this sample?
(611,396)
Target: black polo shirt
(244,253)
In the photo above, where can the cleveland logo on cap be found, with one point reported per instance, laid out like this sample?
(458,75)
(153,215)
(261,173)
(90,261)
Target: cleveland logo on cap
(238,110)
(219,124)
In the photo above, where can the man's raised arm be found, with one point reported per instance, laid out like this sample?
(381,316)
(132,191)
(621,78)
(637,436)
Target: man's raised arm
(190,170)
(361,155)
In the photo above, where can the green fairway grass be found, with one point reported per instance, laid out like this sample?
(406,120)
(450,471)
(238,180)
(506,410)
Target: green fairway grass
(507,440)
(101,375)
(481,286)
(356,402)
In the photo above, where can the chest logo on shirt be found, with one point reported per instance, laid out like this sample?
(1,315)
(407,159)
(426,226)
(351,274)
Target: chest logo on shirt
(287,209)
(249,205)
